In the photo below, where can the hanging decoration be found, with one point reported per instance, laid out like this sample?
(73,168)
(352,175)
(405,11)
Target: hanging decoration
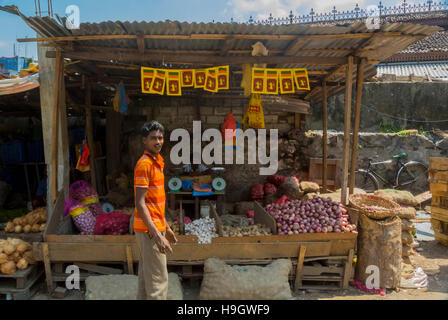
(158,83)
(271,81)
(268,81)
(173,83)
(211,79)
(301,79)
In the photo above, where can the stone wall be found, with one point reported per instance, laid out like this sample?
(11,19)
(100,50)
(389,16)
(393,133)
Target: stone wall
(405,100)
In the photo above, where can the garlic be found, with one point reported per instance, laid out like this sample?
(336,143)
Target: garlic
(204,229)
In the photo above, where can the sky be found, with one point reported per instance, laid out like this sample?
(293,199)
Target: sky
(13,26)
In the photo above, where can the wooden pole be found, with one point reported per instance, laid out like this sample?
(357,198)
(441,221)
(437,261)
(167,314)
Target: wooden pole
(324,137)
(55,127)
(89,132)
(347,114)
(359,85)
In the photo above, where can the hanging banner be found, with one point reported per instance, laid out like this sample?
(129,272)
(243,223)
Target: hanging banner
(158,84)
(271,81)
(211,82)
(286,81)
(301,79)
(173,87)
(223,77)
(187,78)
(147,77)
(199,78)
(258,80)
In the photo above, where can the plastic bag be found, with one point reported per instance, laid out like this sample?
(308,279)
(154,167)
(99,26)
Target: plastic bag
(84,193)
(114,223)
(257,191)
(419,280)
(254,117)
(83,219)
(229,124)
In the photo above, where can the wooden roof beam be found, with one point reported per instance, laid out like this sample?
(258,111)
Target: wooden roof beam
(213,36)
(195,59)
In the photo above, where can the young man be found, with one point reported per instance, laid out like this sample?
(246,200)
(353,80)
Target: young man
(152,232)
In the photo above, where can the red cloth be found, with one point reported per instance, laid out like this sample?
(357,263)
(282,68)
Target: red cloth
(85,156)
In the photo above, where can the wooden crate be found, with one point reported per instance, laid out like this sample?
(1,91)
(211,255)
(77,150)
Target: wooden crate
(23,284)
(438,164)
(440,230)
(333,171)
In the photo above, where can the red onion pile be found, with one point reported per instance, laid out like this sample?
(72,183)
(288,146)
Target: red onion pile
(317,215)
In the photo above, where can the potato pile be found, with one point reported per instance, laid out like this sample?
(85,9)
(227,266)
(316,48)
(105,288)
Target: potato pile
(253,230)
(15,254)
(32,222)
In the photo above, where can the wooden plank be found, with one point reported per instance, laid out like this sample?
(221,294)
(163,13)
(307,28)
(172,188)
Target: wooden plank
(333,236)
(319,270)
(438,163)
(324,137)
(214,36)
(298,279)
(214,215)
(297,120)
(438,176)
(200,60)
(55,125)
(359,86)
(55,218)
(141,42)
(438,188)
(347,117)
(348,269)
(89,132)
(439,216)
(96,268)
(113,139)
(47,265)
(262,217)
(422,197)
(129,259)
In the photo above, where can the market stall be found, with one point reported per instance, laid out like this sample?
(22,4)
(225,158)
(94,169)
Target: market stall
(98,53)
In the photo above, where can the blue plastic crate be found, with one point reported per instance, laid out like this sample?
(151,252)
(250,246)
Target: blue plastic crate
(35,151)
(13,152)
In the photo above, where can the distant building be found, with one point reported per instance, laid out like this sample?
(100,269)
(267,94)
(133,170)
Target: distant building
(13,65)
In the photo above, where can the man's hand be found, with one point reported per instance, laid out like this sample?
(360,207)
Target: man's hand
(163,244)
(170,235)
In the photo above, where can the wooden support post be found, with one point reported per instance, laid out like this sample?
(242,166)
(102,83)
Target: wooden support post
(297,120)
(347,114)
(348,269)
(324,137)
(54,127)
(113,137)
(196,208)
(181,218)
(129,260)
(89,132)
(300,260)
(47,265)
(359,85)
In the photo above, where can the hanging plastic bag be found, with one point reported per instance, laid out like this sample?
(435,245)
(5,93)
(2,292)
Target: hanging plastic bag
(83,159)
(254,117)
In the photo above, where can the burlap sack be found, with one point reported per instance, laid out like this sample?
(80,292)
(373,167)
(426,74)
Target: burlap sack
(398,196)
(307,186)
(379,244)
(407,212)
(407,251)
(224,282)
(406,238)
(407,225)
(309,196)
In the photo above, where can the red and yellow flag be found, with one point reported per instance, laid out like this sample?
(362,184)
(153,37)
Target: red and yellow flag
(286,81)
(147,77)
(199,78)
(258,80)
(301,79)
(211,80)
(271,81)
(187,78)
(173,87)
(223,77)
(158,83)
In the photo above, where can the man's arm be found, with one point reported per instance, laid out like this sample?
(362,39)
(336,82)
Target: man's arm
(143,211)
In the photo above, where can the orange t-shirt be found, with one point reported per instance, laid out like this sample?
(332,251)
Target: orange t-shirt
(148,174)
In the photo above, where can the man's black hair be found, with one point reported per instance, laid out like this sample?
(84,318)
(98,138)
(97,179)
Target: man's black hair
(151,126)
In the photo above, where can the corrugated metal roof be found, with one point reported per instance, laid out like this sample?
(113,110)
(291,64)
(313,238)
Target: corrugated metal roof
(437,70)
